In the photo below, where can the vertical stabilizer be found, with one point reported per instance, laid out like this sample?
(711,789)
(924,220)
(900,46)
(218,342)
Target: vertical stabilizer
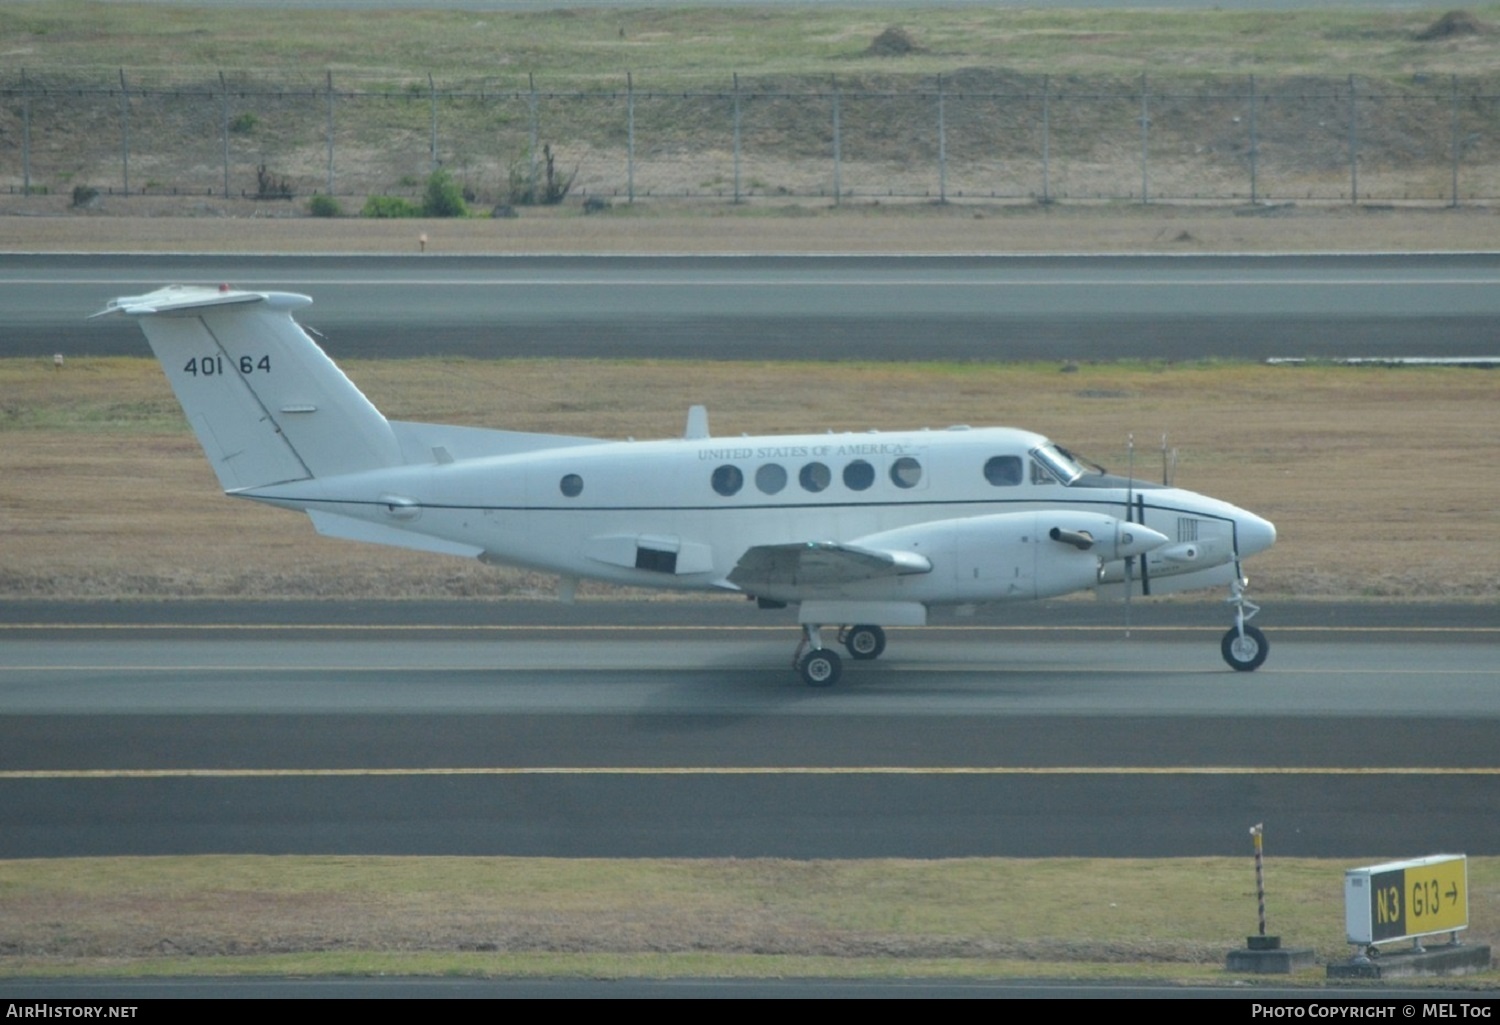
(266,402)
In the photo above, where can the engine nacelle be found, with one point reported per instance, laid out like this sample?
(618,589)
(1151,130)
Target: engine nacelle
(1012,556)
(1108,538)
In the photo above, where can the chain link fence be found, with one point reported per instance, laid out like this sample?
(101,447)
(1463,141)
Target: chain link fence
(975,134)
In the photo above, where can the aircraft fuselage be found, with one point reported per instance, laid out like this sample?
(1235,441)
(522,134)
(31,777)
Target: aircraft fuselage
(681,513)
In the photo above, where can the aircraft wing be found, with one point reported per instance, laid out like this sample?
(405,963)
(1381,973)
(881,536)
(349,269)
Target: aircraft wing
(819,564)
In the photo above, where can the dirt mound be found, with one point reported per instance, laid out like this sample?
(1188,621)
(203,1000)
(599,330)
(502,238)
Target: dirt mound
(1454,23)
(893,42)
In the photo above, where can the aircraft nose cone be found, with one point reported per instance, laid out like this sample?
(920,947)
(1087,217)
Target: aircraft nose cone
(1254,534)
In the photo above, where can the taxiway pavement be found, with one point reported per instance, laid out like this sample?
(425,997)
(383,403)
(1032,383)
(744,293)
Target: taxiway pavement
(1438,305)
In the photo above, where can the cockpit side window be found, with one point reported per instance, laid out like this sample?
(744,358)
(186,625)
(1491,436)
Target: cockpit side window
(1050,465)
(1003,471)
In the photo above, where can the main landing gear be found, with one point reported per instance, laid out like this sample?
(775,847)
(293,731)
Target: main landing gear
(822,667)
(1244,647)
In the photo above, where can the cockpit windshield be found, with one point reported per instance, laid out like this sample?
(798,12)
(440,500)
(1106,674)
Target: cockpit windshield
(1062,467)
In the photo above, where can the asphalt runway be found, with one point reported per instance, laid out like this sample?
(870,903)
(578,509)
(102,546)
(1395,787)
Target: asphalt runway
(832,307)
(647,730)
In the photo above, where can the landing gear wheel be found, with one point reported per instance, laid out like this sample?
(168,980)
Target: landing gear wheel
(1245,654)
(820,668)
(864,642)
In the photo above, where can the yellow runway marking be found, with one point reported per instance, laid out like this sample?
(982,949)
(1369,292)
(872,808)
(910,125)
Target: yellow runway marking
(887,666)
(869,770)
(683,628)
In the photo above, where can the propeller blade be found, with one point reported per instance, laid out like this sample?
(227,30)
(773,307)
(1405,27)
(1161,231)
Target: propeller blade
(1129,518)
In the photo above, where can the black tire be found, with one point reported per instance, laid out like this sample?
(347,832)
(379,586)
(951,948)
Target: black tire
(1245,654)
(820,667)
(864,642)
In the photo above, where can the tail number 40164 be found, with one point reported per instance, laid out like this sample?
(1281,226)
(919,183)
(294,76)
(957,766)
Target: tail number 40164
(212,366)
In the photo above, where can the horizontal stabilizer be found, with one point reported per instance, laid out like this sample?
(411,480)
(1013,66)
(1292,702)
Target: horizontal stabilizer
(350,529)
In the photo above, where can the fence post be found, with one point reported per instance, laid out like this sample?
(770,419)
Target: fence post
(329,130)
(942,145)
(736,137)
(124,133)
(224,127)
(531,103)
(1254,146)
(838,149)
(1353,144)
(1046,138)
(432,101)
(25,135)
(629,138)
(1145,143)
(1453,133)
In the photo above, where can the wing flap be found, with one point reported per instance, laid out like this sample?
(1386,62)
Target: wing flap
(820,564)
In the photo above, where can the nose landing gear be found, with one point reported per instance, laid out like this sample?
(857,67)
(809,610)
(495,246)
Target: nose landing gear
(1244,647)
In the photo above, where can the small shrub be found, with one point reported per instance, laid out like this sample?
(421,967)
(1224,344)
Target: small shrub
(243,124)
(269,186)
(390,206)
(85,195)
(550,190)
(324,206)
(895,41)
(443,197)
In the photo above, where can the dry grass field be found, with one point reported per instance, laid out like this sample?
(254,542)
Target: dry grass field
(1377,479)
(45,225)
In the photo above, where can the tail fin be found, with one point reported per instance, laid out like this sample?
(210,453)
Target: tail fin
(267,404)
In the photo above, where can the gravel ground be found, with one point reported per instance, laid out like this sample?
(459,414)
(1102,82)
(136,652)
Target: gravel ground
(44,224)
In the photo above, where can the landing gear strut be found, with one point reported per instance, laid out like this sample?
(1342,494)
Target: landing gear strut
(820,667)
(1244,647)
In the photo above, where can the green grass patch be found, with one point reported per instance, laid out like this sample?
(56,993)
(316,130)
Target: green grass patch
(1068,917)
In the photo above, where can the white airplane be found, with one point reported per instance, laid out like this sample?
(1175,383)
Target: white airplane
(860,531)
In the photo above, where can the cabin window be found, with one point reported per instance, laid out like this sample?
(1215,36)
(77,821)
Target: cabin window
(859,475)
(728,480)
(770,478)
(906,472)
(814,477)
(1003,471)
(571,485)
